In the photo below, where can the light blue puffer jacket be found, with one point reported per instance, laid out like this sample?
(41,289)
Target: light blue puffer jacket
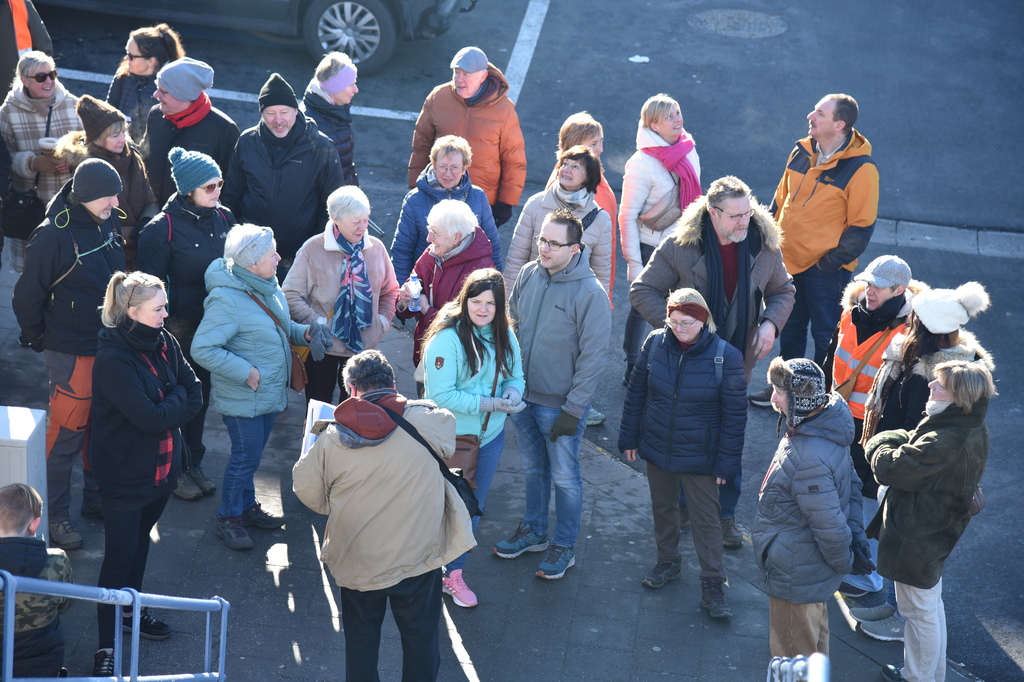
(237,335)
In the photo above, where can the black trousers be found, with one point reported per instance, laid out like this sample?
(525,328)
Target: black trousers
(125,550)
(416,606)
(193,431)
(324,376)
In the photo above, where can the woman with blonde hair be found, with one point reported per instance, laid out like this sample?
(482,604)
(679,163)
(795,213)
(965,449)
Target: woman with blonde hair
(131,91)
(662,178)
(143,393)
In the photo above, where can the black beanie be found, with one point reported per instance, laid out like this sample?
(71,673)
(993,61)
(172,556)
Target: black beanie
(276,92)
(95,179)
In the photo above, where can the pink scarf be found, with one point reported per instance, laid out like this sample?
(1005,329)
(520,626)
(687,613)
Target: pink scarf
(673,158)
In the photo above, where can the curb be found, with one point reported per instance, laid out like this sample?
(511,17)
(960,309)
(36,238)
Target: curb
(975,242)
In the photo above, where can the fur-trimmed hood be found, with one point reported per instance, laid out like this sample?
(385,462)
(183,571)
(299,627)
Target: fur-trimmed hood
(690,228)
(968,350)
(854,292)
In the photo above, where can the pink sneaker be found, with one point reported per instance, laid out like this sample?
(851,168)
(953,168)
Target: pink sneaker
(454,585)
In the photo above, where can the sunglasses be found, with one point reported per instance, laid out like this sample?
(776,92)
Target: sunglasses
(213,186)
(132,57)
(41,77)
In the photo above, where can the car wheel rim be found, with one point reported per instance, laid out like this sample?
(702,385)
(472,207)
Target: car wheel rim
(351,28)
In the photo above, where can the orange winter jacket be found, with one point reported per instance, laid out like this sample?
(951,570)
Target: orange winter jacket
(827,212)
(491,127)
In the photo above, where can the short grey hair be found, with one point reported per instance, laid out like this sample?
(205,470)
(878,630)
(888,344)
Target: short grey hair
(346,202)
(29,62)
(369,371)
(451,216)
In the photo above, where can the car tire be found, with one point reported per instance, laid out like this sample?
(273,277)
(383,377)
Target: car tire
(363,29)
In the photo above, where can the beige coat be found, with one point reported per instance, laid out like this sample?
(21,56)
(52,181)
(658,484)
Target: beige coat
(392,515)
(523,248)
(314,282)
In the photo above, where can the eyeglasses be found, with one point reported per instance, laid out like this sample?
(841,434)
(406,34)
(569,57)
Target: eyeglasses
(734,216)
(444,170)
(553,246)
(41,77)
(213,186)
(132,57)
(680,326)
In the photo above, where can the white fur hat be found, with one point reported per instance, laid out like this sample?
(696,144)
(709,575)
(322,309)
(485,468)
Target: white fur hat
(943,311)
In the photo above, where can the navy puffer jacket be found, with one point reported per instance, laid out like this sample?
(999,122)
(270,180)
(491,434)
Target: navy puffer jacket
(334,121)
(678,414)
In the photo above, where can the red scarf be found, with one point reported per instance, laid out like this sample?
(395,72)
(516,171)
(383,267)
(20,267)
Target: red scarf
(673,158)
(195,113)
(165,452)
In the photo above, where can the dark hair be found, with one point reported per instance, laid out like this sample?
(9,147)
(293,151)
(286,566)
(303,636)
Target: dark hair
(369,371)
(573,225)
(921,343)
(591,164)
(455,314)
(160,42)
(846,110)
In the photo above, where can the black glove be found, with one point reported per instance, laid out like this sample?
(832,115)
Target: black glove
(862,563)
(565,425)
(501,212)
(35,344)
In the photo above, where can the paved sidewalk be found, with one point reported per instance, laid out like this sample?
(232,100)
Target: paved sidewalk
(597,623)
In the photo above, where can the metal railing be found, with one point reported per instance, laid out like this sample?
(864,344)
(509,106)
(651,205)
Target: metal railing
(800,669)
(121,598)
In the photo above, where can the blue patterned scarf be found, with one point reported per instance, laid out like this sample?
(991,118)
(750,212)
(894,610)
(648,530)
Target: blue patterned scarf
(353,309)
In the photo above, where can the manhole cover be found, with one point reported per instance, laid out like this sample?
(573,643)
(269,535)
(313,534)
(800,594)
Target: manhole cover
(738,23)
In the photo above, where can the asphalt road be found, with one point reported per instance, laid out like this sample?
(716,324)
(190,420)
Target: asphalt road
(940,90)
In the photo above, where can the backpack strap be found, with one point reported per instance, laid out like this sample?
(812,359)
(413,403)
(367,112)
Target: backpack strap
(719,359)
(168,215)
(589,219)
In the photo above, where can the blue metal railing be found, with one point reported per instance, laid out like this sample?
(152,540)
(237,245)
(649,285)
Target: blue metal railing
(125,597)
(800,669)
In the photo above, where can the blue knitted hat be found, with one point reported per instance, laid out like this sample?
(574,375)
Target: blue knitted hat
(191,169)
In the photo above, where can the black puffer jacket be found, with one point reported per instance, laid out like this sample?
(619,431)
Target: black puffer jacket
(678,413)
(334,121)
(133,97)
(287,191)
(142,388)
(178,246)
(214,136)
(66,318)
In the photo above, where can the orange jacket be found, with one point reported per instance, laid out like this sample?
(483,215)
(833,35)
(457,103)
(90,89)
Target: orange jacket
(849,355)
(827,212)
(492,129)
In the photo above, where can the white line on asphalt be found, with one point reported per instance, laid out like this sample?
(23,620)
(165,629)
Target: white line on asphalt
(90,77)
(526,43)
(465,660)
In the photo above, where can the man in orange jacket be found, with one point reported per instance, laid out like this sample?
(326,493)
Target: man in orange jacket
(826,205)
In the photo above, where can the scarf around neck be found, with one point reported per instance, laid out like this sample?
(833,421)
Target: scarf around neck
(716,286)
(353,309)
(571,200)
(267,289)
(195,113)
(673,158)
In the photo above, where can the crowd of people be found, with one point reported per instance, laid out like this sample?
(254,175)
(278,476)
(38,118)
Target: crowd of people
(182,263)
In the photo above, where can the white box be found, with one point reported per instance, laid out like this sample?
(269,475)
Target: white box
(23,452)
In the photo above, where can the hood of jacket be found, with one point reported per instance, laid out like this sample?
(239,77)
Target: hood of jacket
(857,145)
(968,350)
(362,423)
(494,75)
(834,423)
(17,97)
(577,269)
(219,275)
(690,229)
(77,215)
(479,247)
(23,556)
(460,192)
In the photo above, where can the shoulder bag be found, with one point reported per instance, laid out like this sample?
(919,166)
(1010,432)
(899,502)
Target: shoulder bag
(299,378)
(467,446)
(24,211)
(461,485)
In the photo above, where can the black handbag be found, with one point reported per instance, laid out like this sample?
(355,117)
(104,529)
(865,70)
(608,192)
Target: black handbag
(462,486)
(24,211)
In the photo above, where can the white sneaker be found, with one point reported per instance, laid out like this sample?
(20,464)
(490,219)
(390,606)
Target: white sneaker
(888,630)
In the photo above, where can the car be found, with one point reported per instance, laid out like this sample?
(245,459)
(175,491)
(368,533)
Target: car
(367,30)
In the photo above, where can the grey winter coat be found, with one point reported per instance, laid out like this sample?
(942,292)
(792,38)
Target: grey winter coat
(809,509)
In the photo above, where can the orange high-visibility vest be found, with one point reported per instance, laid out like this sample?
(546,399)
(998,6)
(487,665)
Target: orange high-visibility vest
(849,355)
(22,34)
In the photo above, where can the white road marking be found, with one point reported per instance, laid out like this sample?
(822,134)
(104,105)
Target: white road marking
(215,93)
(526,43)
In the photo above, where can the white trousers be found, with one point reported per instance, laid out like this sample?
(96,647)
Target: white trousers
(924,635)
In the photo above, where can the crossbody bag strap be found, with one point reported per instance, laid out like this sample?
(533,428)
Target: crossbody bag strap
(494,387)
(864,361)
(589,219)
(49,117)
(411,430)
(267,311)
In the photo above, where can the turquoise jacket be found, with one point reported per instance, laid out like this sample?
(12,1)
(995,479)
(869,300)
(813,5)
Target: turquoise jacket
(447,381)
(237,335)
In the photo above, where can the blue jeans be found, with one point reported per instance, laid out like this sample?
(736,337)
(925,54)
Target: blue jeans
(636,326)
(486,465)
(545,463)
(728,496)
(249,436)
(818,302)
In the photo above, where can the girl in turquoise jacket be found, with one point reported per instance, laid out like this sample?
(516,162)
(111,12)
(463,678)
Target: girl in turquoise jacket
(473,368)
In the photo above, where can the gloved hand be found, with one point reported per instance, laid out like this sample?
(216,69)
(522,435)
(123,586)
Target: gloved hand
(320,340)
(512,395)
(501,212)
(565,425)
(489,404)
(35,344)
(862,563)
